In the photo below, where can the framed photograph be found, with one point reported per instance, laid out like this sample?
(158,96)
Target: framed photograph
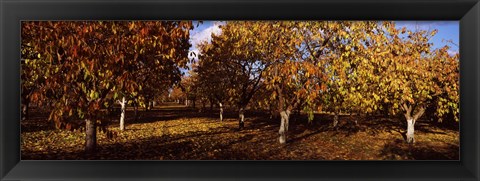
(239,90)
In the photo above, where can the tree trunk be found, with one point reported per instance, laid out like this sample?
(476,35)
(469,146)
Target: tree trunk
(409,110)
(285,116)
(150,105)
(221,111)
(145,109)
(241,117)
(135,110)
(186,102)
(335,118)
(91,137)
(122,115)
(25,107)
(203,106)
(147,104)
(410,130)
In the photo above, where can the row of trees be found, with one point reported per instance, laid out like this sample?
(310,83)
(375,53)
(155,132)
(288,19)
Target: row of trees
(355,67)
(79,69)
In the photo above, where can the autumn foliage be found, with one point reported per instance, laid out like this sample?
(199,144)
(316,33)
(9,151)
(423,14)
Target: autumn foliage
(342,66)
(79,70)
(87,65)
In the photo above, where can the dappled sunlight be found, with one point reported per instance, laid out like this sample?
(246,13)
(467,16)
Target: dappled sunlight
(179,137)
(238,90)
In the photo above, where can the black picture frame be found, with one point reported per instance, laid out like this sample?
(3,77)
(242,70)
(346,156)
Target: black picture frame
(13,11)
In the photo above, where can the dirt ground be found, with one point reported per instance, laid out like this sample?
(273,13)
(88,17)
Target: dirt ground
(174,132)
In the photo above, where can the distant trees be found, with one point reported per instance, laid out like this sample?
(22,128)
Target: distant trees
(177,95)
(90,64)
(212,80)
(237,52)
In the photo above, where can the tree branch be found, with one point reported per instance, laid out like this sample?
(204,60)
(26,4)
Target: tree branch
(419,113)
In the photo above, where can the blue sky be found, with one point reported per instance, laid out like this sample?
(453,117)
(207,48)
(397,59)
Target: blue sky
(203,33)
(447,30)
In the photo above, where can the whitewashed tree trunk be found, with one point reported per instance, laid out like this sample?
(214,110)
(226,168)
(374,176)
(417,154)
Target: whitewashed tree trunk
(186,102)
(25,108)
(241,117)
(221,111)
(284,116)
(122,115)
(410,130)
(335,119)
(146,105)
(91,136)
(409,110)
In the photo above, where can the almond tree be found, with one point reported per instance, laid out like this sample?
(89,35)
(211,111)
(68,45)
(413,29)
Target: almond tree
(446,68)
(406,72)
(164,51)
(176,94)
(346,47)
(91,63)
(291,76)
(309,71)
(188,86)
(239,50)
(211,80)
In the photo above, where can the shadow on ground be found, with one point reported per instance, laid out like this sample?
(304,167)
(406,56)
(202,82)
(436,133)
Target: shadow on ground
(314,140)
(398,149)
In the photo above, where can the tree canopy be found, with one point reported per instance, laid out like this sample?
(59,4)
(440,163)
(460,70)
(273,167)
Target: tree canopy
(88,65)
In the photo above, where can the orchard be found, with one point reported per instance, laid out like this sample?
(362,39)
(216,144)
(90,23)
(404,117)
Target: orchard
(257,90)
